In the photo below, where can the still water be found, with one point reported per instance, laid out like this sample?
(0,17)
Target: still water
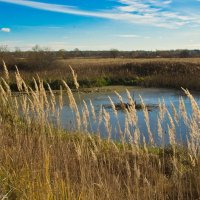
(150,96)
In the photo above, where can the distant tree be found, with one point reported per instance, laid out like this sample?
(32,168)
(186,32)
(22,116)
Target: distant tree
(7,56)
(114,53)
(77,52)
(18,54)
(61,53)
(17,49)
(76,49)
(40,58)
(185,53)
(4,48)
(36,48)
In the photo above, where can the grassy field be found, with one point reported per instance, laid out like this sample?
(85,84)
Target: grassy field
(41,161)
(157,72)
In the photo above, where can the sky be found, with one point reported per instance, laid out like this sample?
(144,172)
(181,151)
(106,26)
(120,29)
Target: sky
(100,24)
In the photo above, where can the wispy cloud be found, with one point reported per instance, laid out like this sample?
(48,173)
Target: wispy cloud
(193,45)
(6,30)
(151,12)
(127,36)
(156,11)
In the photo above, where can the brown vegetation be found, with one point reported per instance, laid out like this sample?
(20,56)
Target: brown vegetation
(42,161)
(158,72)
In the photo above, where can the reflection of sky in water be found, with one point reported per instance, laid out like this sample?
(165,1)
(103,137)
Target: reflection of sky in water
(150,96)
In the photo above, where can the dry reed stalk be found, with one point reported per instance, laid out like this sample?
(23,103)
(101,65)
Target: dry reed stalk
(36,85)
(24,105)
(25,87)
(92,111)
(37,104)
(119,97)
(160,130)
(171,120)
(46,101)
(78,150)
(128,170)
(131,117)
(130,99)
(73,104)
(182,111)
(87,113)
(127,131)
(162,110)
(172,138)
(117,120)
(19,79)
(38,97)
(53,98)
(136,138)
(3,93)
(194,105)
(193,147)
(86,109)
(32,106)
(58,118)
(171,130)
(94,157)
(84,120)
(193,160)
(113,107)
(74,75)
(41,92)
(51,94)
(132,109)
(95,148)
(128,118)
(147,121)
(16,104)
(145,145)
(6,73)
(61,98)
(100,119)
(106,117)
(7,87)
(194,139)
(115,146)
(175,113)
(119,128)
(137,171)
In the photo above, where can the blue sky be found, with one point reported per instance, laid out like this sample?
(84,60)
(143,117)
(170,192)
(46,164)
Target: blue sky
(100,24)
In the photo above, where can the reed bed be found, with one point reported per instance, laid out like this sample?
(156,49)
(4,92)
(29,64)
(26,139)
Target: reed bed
(40,160)
(157,72)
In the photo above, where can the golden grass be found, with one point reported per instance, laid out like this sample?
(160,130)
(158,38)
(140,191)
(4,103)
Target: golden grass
(42,161)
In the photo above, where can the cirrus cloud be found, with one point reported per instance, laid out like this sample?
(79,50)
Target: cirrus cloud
(147,12)
(128,36)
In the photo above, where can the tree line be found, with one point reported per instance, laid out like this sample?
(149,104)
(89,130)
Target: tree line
(41,57)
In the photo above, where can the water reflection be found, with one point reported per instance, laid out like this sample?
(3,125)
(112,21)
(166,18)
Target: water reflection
(150,96)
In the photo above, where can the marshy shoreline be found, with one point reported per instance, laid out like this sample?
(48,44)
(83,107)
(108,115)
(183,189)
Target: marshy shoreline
(171,73)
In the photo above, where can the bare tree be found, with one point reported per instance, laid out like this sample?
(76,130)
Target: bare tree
(40,58)
(114,53)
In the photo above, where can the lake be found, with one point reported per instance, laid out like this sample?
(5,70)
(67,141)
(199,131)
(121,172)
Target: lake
(150,96)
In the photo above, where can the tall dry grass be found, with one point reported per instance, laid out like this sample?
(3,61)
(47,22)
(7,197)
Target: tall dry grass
(40,160)
(157,72)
